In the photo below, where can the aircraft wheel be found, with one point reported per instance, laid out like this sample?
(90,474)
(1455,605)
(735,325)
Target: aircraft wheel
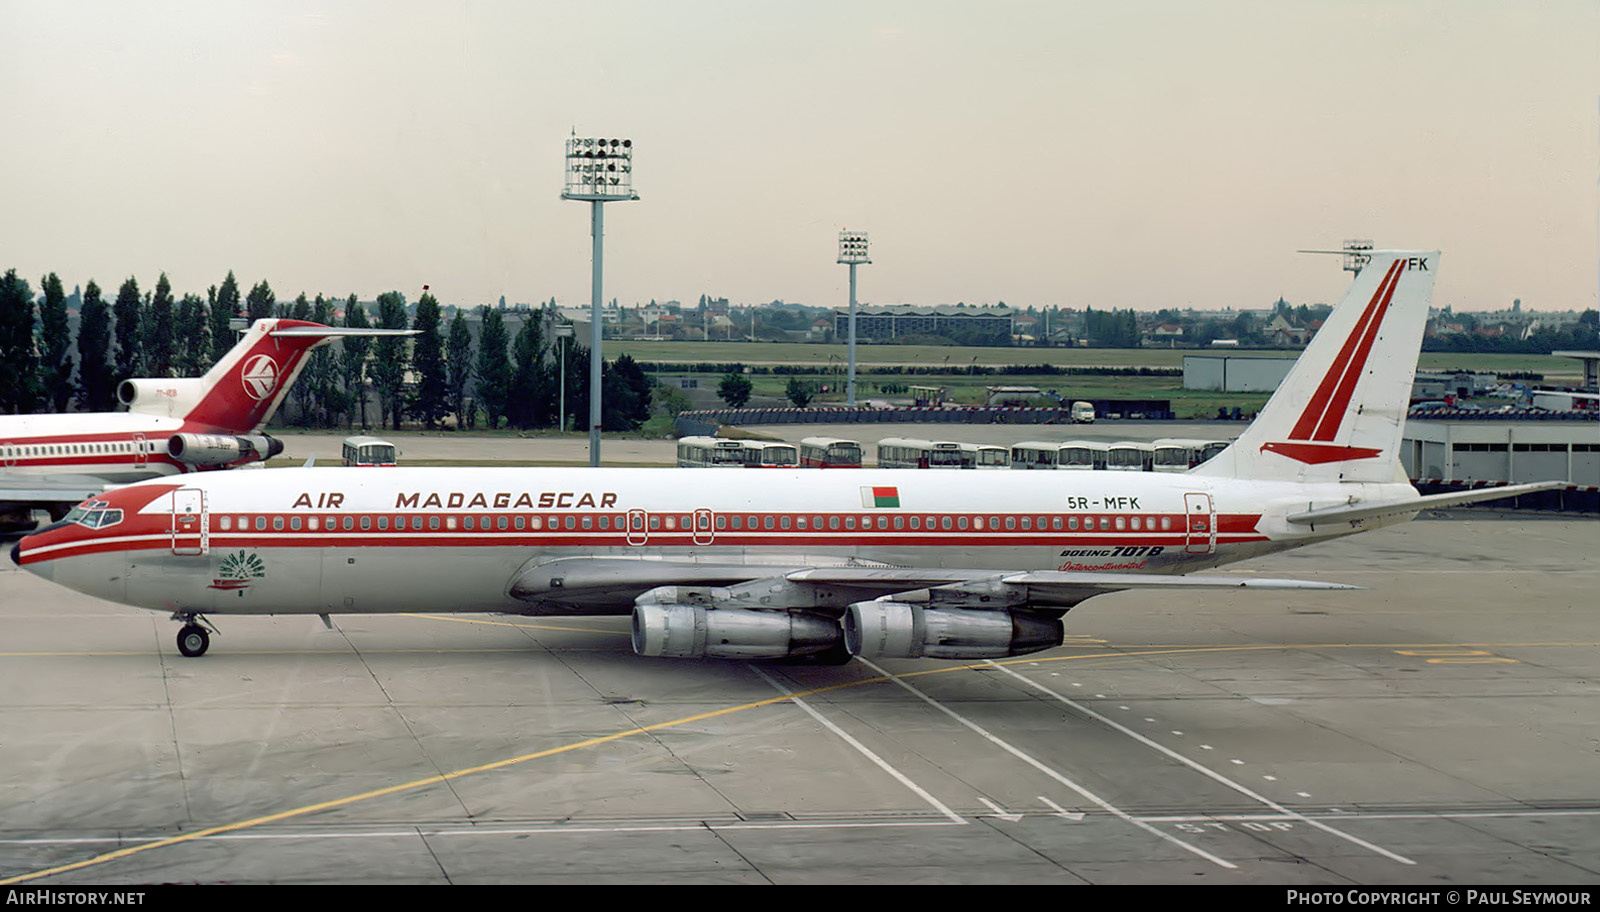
(193,640)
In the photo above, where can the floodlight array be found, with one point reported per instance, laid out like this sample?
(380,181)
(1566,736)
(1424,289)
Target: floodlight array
(853,247)
(599,168)
(1356,256)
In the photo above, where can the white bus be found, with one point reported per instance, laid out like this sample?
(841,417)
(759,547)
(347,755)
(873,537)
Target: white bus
(1035,454)
(1082,455)
(370,451)
(985,456)
(1180,454)
(909,453)
(830,453)
(711,452)
(1130,456)
(770,454)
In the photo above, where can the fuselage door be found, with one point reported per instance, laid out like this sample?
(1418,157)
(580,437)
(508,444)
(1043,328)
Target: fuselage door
(637,533)
(191,533)
(703,532)
(1200,525)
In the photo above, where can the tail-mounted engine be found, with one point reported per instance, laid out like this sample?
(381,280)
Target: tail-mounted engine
(222,449)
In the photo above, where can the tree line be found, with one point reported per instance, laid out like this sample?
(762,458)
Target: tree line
(509,374)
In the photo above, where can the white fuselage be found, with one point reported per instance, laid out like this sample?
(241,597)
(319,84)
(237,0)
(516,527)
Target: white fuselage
(339,540)
(117,447)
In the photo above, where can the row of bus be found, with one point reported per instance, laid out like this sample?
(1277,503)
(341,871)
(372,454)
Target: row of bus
(1168,454)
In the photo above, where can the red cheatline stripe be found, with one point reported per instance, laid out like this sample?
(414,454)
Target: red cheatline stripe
(1334,417)
(1318,405)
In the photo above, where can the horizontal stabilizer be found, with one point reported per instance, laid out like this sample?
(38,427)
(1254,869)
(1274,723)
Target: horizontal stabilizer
(318,332)
(1358,511)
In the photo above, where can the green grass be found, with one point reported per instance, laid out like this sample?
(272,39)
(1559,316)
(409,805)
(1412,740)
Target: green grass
(958,357)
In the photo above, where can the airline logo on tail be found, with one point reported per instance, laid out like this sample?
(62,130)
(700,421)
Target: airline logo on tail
(1310,441)
(259,377)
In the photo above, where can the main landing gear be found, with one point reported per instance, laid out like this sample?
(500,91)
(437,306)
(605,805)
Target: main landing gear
(194,639)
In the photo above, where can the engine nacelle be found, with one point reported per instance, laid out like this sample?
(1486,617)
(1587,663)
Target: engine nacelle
(222,449)
(666,628)
(172,397)
(897,630)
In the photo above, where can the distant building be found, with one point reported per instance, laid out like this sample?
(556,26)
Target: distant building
(887,323)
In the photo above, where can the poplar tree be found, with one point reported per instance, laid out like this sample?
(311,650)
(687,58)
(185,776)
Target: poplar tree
(529,380)
(224,308)
(327,395)
(96,385)
(304,389)
(388,370)
(157,331)
(128,331)
(494,366)
(189,358)
(18,377)
(431,398)
(260,303)
(55,369)
(458,367)
(353,363)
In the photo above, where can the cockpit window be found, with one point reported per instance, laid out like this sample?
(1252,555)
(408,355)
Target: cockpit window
(94,515)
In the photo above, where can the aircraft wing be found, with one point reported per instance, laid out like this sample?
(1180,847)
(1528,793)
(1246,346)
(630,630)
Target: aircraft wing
(582,581)
(36,489)
(1043,588)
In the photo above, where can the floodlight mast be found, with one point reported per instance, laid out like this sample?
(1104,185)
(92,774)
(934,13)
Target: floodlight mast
(599,171)
(852,252)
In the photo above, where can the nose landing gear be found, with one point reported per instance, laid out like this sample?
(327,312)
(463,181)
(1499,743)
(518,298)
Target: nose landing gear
(194,638)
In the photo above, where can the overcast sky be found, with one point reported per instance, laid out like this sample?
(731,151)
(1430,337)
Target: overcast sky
(1143,154)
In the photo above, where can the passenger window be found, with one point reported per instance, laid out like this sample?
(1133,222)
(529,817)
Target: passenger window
(311,523)
(961,522)
(349,523)
(521,522)
(366,523)
(261,524)
(588,522)
(500,523)
(433,523)
(227,523)
(785,522)
(1121,523)
(449,522)
(277,523)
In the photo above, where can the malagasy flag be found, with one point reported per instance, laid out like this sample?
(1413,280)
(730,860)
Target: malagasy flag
(888,496)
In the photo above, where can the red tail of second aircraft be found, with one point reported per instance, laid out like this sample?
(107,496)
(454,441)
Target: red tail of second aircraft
(242,390)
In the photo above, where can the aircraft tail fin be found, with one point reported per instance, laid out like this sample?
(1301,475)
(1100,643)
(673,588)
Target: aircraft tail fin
(1340,413)
(242,390)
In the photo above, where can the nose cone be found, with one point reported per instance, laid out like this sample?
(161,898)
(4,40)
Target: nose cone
(19,552)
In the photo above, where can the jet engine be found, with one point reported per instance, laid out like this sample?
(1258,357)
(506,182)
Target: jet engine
(678,621)
(897,630)
(222,449)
